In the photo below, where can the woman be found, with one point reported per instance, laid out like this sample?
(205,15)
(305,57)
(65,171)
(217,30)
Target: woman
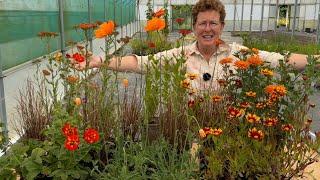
(203,55)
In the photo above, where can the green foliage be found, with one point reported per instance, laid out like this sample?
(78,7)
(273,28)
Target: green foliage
(279,43)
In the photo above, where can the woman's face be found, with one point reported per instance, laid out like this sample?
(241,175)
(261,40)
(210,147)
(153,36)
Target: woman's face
(208,28)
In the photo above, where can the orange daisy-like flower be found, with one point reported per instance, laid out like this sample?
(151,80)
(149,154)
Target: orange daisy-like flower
(255,134)
(77,101)
(226,60)
(260,105)
(155,24)
(241,64)
(44,34)
(279,90)
(252,118)
(159,13)
(216,98)
(192,91)
(72,79)
(255,51)
(125,83)
(266,72)
(105,29)
(245,104)
(86,26)
(270,122)
(216,131)
(185,83)
(234,112)
(287,127)
(255,60)
(251,94)
(191,76)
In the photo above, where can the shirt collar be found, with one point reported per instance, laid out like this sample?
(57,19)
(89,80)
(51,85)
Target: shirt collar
(223,47)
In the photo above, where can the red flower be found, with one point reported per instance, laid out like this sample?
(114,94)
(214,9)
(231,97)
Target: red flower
(72,142)
(68,130)
(234,112)
(78,57)
(159,13)
(191,103)
(255,134)
(179,20)
(185,32)
(151,45)
(91,136)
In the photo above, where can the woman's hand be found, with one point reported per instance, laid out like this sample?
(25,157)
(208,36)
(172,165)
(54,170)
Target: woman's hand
(94,61)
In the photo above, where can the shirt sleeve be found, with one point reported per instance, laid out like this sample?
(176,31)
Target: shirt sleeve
(271,57)
(143,61)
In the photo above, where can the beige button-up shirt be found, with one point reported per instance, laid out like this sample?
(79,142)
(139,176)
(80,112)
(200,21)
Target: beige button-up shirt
(197,64)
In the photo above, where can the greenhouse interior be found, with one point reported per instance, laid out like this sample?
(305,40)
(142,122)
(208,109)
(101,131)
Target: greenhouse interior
(159,89)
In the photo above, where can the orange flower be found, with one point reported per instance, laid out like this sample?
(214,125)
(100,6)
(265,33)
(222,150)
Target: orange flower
(216,132)
(86,26)
(255,134)
(159,13)
(255,51)
(260,105)
(287,127)
(192,91)
(125,83)
(226,60)
(251,94)
(77,101)
(47,34)
(191,76)
(255,60)
(270,122)
(105,29)
(46,72)
(266,72)
(151,45)
(279,90)
(72,79)
(57,56)
(234,112)
(155,24)
(241,64)
(185,83)
(216,98)
(222,82)
(252,118)
(244,104)
(202,133)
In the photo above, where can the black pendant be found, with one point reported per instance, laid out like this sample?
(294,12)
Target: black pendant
(206,76)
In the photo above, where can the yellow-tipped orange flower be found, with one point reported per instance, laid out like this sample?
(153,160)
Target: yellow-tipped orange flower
(77,101)
(234,112)
(251,94)
(287,127)
(105,29)
(255,51)
(252,118)
(255,134)
(278,90)
(191,76)
(185,83)
(270,122)
(242,65)
(216,132)
(266,72)
(216,98)
(155,24)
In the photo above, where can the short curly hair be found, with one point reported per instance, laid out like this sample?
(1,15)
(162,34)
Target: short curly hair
(207,5)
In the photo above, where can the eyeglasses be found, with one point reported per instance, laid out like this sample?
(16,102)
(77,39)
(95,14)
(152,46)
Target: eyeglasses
(212,24)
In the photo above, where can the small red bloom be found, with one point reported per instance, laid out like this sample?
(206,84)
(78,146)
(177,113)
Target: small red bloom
(191,103)
(78,57)
(72,142)
(91,136)
(151,45)
(68,130)
(234,112)
(68,56)
(185,32)
(287,127)
(179,20)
